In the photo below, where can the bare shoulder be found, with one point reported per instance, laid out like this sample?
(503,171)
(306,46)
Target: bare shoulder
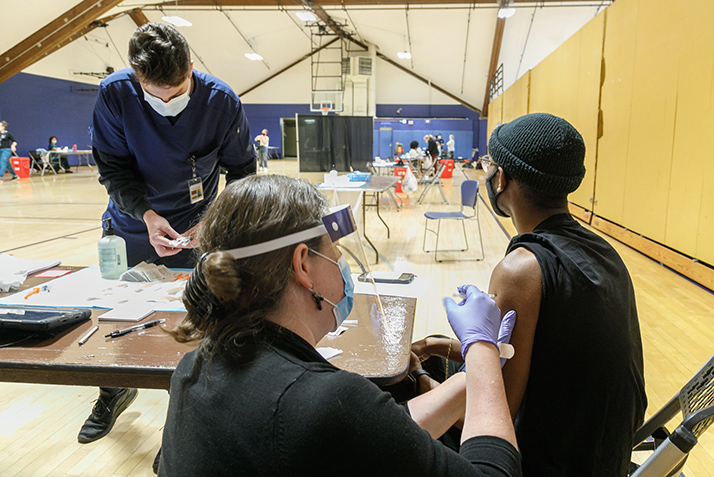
(519,270)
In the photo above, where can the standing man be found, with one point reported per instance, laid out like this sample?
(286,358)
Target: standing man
(451,145)
(7,148)
(578,367)
(263,142)
(161,134)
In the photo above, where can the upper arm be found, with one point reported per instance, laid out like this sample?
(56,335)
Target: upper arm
(107,127)
(237,148)
(516,282)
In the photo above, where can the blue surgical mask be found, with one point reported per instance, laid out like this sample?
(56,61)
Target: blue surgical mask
(173,107)
(342,308)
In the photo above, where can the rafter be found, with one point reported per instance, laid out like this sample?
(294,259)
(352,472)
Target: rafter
(341,3)
(495,54)
(53,36)
(138,16)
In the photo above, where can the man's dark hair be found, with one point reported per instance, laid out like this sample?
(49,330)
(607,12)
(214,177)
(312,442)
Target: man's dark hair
(414,144)
(159,55)
(543,200)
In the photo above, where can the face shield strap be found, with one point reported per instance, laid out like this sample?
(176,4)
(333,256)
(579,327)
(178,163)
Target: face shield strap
(278,243)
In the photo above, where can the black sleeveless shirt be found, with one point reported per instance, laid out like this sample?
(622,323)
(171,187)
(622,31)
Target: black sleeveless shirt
(586,393)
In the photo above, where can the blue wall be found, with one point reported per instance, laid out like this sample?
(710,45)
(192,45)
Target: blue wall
(267,116)
(37,107)
(405,131)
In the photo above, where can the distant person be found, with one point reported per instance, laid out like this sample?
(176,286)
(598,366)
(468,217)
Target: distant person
(61,159)
(451,146)
(414,150)
(7,149)
(263,143)
(432,151)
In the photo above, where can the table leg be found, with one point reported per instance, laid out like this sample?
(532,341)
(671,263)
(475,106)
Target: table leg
(364,226)
(380,217)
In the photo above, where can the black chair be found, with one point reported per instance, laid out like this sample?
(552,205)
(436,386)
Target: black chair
(696,401)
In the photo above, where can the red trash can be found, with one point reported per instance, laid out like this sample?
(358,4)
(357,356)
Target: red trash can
(449,171)
(399,172)
(21,166)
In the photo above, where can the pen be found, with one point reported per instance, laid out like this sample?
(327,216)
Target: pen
(86,337)
(142,326)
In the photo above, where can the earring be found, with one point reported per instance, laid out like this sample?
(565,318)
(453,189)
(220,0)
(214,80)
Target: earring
(318,298)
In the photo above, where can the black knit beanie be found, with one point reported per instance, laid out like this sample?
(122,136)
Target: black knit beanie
(541,151)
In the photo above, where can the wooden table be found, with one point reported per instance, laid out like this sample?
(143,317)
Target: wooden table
(378,350)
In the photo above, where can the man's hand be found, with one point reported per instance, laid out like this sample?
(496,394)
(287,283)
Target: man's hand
(158,228)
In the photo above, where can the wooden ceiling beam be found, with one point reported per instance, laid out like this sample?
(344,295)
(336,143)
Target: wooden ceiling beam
(495,54)
(138,16)
(59,32)
(337,3)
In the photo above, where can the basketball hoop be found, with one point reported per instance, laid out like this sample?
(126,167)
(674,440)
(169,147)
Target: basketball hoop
(325,110)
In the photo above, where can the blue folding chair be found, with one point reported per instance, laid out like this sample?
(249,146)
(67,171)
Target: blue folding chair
(469,200)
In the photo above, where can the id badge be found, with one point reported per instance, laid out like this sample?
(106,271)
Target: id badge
(195,188)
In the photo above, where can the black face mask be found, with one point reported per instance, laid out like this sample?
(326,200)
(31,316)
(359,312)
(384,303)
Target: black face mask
(493,197)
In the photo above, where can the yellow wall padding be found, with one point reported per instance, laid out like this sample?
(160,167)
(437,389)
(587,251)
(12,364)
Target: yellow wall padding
(567,84)
(690,207)
(616,92)
(495,108)
(647,65)
(515,99)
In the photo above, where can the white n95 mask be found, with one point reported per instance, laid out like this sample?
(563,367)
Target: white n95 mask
(170,109)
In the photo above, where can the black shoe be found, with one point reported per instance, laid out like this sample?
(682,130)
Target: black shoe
(105,412)
(68,171)
(14,178)
(155,465)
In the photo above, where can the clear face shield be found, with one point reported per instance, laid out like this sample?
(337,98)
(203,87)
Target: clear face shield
(340,227)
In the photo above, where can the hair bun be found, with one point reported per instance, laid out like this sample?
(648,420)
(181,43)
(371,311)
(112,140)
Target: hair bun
(221,274)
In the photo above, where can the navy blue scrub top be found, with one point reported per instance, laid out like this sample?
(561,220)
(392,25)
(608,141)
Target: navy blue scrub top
(212,129)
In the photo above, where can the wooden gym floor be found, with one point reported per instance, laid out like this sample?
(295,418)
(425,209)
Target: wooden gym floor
(59,217)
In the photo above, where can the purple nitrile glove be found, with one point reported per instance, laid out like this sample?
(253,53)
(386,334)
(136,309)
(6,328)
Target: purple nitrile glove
(504,332)
(477,318)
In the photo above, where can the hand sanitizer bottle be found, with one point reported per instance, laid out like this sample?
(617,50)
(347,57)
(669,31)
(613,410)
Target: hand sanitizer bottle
(112,253)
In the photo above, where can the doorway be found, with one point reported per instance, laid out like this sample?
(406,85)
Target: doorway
(289,133)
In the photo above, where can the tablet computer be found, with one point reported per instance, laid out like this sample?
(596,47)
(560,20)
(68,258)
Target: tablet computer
(39,319)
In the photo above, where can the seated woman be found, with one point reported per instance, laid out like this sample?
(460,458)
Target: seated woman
(59,159)
(256,398)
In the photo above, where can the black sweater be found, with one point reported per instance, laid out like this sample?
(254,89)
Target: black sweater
(287,411)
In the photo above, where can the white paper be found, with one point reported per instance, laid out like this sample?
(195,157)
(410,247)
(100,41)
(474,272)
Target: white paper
(87,289)
(347,185)
(128,312)
(329,353)
(416,289)
(14,271)
(337,332)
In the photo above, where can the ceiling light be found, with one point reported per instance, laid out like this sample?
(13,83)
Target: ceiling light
(506,12)
(254,56)
(306,16)
(404,55)
(177,21)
